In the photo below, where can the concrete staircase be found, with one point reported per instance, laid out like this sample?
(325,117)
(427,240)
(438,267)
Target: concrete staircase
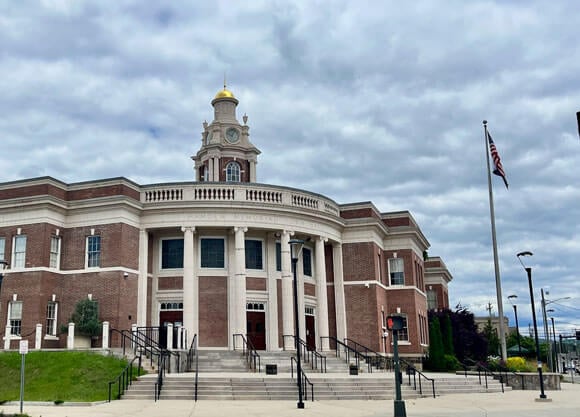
(223,375)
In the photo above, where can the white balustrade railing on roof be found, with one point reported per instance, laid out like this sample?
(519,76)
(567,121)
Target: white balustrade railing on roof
(265,194)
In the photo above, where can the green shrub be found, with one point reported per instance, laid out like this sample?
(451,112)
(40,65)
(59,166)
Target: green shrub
(451,363)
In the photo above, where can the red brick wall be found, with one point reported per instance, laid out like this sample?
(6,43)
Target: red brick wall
(329,263)
(309,289)
(105,191)
(91,191)
(411,302)
(213,311)
(360,213)
(359,261)
(170,283)
(256,284)
(33,190)
(280,318)
(361,307)
(397,222)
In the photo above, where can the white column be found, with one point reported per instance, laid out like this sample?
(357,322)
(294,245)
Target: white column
(339,292)
(287,303)
(321,296)
(252,171)
(169,336)
(210,169)
(216,169)
(105,335)
(7,338)
(272,331)
(38,336)
(240,279)
(300,288)
(70,339)
(190,287)
(142,283)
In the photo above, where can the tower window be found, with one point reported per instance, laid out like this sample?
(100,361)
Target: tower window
(233,172)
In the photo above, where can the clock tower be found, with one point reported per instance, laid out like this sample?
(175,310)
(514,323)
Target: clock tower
(226,153)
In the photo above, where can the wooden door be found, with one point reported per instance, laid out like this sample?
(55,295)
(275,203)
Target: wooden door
(256,330)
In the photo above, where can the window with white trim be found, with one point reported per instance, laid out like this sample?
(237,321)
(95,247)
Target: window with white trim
(15,317)
(213,252)
(431,299)
(253,306)
(54,261)
(19,252)
(233,172)
(51,315)
(93,251)
(404,332)
(171,253)
(2,248)
(307,262)
(254,254)
(397,271)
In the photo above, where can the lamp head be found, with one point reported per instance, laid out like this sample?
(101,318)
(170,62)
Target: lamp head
(524,253)
(512,296)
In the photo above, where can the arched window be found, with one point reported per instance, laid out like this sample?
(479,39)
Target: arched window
(233,172)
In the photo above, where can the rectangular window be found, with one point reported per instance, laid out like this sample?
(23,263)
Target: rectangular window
(396,271)
(278,256)
(54,252)
(307,262)
(254,254)
(19,252)
(212,253)
(15,318)
(93,251)
(171,253)
(404,332)
(431,299)
(51,311)
(2,248)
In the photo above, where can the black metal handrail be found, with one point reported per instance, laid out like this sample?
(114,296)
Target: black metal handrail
(160,375)
(312,356)
(137,343)
(413,371)
(144,335)
(125,378)
(305,380)
(486,372)
(349,351)
(191,354)
(378,360)
(251,354)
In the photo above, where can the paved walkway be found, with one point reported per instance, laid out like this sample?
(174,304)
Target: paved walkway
(564,403)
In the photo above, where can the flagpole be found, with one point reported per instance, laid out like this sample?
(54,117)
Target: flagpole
(500,326)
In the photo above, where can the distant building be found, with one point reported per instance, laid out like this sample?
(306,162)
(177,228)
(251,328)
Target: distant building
(482,321)
(212,256)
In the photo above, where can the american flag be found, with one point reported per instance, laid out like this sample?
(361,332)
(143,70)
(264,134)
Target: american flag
(498,170)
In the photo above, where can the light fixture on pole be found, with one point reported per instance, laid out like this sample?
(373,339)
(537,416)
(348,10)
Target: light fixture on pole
(545,318)
(529,273)
(551,310)
(510,298)
(296,246)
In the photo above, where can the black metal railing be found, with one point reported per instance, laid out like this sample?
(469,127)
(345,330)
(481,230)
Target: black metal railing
(193,363)
(125,378)
(312,356)
(349,352)
(480,367)
(412,371)
(251,354)
(135,343)
(305,380)
(160,374)
(376,359)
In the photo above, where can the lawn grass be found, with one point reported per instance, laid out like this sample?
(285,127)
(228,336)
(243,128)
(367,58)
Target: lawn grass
(58,376)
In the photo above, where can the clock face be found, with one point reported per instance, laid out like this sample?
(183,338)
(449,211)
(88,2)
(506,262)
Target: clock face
(232,135)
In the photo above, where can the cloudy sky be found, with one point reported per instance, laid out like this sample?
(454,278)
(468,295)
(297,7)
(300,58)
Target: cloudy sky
(378,101)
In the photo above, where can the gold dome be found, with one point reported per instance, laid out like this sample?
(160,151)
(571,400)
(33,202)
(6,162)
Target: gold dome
(225,93)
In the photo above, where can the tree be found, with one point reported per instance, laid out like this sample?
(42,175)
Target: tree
(436,352)
(86,318)
(490,334)
(447,333)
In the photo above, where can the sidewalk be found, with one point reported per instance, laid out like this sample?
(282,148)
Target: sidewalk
(565,403)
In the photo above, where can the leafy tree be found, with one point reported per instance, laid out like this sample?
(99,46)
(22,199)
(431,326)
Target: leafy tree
(86,318)
(447,333)
(436,352)
(490,334)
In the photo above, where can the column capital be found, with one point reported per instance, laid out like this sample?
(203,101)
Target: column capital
(240,229)
(288,232)
(322,239)
(188,229)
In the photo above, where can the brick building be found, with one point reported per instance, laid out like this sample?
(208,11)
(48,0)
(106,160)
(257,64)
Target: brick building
(212,256)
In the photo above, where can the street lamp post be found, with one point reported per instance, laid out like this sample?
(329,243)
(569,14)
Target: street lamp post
(554,340)
(529,273)
(296,246)
(546,331)
(510,297)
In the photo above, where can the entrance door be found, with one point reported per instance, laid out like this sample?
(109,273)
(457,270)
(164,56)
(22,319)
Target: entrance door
(256,322)
(166,317)
(310,333)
